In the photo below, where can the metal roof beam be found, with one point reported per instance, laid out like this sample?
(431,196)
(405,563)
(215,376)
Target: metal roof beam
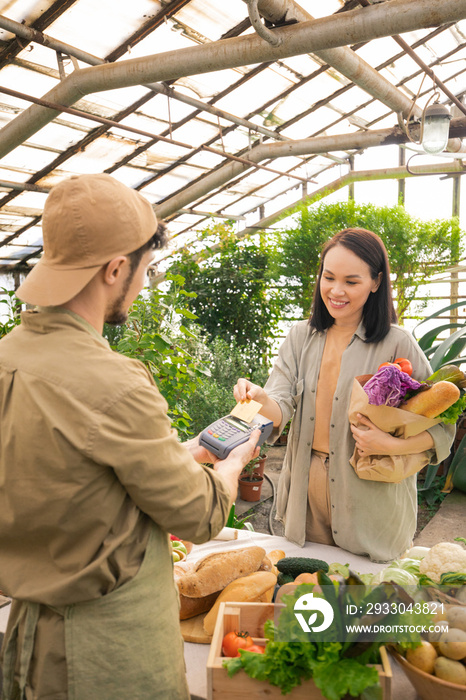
(352,66)
(363,24)
(396,173)
(31,34)
(316,144)
(346,61)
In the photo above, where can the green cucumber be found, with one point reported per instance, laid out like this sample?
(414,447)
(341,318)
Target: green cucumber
(293,566)
(284,578)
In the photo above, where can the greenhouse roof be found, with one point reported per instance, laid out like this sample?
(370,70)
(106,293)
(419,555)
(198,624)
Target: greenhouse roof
(229,109)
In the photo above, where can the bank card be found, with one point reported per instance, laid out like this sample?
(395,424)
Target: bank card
(246,410)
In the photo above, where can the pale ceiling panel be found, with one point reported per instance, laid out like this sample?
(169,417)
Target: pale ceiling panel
(281,98)
(97,27)
(215,18)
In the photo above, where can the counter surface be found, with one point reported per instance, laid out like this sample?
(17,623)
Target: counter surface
(196,654)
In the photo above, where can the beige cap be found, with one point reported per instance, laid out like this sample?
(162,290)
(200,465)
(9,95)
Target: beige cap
(87,221)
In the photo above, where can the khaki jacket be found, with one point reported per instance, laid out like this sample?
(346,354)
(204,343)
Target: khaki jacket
(368,518)
(88,464)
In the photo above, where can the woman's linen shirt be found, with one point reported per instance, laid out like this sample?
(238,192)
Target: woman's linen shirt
(368,517)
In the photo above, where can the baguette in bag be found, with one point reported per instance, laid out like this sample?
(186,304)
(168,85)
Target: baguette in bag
(434,401)
(400,423)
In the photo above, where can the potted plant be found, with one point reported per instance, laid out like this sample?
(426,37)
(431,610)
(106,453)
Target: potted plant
(250,482)
(256,466)
(283,437)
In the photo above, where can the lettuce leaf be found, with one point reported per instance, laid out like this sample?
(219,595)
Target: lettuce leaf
(336,680)
(452,413)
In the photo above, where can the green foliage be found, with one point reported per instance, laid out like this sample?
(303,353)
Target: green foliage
(443,352)
(301,248)
(440,353)
(12,309)
(417,249)
(155,334)
(239,523)
(456,477)
(235,296)
(432,493)
(213,397)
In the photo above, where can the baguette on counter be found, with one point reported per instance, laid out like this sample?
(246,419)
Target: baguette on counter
(215,571)
(256,587)
(201,584)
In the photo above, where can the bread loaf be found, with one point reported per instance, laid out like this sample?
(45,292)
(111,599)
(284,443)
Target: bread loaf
(266,564)
(274,556)
(432,402)
(216,571)
(267,596)
(247,589)
(190,607)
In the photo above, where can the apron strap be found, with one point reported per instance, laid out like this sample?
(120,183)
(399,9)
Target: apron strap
(29,611)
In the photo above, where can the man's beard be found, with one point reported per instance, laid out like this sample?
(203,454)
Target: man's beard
(116,315)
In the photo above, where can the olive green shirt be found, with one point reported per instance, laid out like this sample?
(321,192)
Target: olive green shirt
(88,459)
(368,517)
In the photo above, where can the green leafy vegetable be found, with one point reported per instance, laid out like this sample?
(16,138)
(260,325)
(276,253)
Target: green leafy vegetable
(452,413)
(338,668)
(345,676)
(453,578)
(283,664)
(342,569)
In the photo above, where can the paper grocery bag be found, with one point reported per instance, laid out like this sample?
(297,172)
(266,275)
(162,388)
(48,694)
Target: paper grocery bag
(400,423)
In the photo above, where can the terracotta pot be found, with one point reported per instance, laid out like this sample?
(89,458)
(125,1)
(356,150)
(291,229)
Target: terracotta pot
(260,466)
(250,488)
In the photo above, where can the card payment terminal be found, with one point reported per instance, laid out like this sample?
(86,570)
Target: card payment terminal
(229,432)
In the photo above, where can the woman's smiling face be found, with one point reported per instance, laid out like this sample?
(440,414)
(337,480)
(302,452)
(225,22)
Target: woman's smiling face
(345,285)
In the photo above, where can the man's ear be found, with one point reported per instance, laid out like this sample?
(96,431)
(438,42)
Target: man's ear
(113,270)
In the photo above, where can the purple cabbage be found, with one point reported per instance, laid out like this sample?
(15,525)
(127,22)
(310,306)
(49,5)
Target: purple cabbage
(389,386)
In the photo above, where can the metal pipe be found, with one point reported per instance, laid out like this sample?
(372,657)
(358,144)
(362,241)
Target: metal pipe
(211,214)
(317,144)
(30,34)
(22,187)
(407,49)
(262,31)
(349,64)
(396,173)
(362,24)
(37,37)
(346,61)
(140,132)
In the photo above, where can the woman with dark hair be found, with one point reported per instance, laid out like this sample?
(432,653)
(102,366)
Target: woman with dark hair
(351,331)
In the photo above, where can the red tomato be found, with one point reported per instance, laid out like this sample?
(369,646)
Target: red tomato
(389,364)
(405,365)
(234,641)
(257,649)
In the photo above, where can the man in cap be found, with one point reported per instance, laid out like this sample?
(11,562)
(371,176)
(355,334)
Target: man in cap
(93,478)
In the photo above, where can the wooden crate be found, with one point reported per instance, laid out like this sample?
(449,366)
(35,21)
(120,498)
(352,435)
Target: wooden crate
(251,617)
